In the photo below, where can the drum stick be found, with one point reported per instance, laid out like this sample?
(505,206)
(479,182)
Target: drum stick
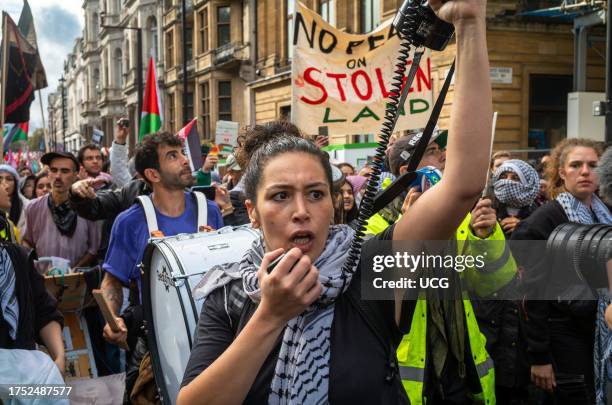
(108,314)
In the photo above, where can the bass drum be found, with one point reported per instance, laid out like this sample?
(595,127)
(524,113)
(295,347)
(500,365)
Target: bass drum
(173,266)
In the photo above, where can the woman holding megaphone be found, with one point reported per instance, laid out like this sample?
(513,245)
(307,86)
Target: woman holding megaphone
(296,333)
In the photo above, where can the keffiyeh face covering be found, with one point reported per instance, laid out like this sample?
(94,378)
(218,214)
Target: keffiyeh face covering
(516,194)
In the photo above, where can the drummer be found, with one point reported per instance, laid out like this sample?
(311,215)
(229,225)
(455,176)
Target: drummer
(161,161)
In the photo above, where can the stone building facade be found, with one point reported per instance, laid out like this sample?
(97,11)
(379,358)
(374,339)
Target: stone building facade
(239,64)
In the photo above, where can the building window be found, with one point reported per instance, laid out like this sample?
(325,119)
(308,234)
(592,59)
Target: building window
(205,98)
(169,49)
(96,82)
(327,9)
(223,26)
(225,100)
(290,11)
(370,15)
(364,138)
(172,112)
(95,24)
(189,40)
(189,105)
(285,113)
(118,68)
(107,79)
(152,27)
(127,55)
(203,24)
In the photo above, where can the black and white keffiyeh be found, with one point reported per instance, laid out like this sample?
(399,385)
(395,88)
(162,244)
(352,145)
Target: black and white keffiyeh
(512,193)
(578,212)
(302,370)
(8,297)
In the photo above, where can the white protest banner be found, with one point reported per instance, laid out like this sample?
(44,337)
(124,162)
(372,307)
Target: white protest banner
(226,133)
(342,81)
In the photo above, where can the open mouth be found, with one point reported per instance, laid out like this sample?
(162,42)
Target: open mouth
(302,240)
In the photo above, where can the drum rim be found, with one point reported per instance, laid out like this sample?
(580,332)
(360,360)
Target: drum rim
(189,294)
(162,389)
(158,373)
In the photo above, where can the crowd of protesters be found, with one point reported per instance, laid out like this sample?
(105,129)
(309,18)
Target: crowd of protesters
(303,333)
(62,211)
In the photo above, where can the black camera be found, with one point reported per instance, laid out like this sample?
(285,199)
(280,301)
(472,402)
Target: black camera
(124,123)
(417,22)
(583,249)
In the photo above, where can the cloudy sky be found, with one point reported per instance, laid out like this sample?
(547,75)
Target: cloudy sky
(58,23)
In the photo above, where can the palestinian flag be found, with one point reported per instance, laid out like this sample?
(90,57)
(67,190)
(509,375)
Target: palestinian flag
(15,133)
(189,135)
(24,74)
(26,26)
(151,116)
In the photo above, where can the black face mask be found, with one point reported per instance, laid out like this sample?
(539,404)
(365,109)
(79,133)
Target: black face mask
(64,217)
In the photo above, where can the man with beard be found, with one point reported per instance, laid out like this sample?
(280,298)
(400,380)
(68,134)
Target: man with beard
(54,228)
(161,161)
(90,161)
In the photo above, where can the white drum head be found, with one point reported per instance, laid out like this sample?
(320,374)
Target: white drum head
(173,266)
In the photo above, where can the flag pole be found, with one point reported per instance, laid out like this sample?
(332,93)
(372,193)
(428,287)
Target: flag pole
(3,80)
(42,115)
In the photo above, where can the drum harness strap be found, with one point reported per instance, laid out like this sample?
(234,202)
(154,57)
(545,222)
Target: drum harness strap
(147,205)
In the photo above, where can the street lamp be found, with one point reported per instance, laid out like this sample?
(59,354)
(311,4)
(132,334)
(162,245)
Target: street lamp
(138,56)
(62,88)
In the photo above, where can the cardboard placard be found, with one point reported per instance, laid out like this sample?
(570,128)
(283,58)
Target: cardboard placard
(68,289)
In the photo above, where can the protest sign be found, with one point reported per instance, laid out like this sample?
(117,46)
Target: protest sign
(343,81)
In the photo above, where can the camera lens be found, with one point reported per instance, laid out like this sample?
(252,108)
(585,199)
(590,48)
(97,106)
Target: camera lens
(585,249)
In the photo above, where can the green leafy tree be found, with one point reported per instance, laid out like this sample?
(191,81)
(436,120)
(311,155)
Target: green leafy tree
(35,139)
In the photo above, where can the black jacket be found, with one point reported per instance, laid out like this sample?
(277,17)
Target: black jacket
(240,215)
(108,204)
(36,307)
(577,317)
(498,320)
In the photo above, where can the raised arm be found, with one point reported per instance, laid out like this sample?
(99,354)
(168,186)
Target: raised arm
(436,215)
(105,204)
(119,157)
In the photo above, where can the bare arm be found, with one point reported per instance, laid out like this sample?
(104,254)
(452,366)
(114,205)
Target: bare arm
(51,336)
(438,212)
(85,260)
(113,292)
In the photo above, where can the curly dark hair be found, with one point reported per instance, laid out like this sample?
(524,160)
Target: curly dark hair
(89,146)
(257,135)
(263,142)
(146,156)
